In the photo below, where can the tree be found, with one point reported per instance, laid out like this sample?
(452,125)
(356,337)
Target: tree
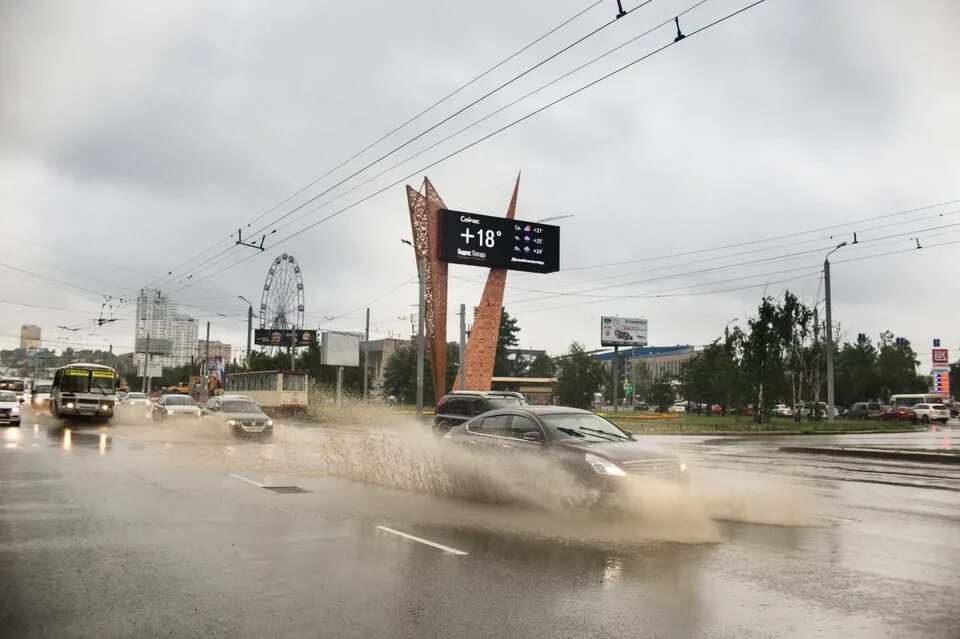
(641,379)
(897,367)
(955,379)
(542,366)
(662,394)
(580,376)
(400,374)
(857,376)
(503,366)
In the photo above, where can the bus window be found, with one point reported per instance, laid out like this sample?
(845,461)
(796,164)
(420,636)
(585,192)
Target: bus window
(294,382)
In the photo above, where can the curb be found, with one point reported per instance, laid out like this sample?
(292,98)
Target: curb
(869,453)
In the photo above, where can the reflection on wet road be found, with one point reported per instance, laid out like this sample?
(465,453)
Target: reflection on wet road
(179,530)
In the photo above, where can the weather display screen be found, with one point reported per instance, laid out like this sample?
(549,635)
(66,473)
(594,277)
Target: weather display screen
(497,242)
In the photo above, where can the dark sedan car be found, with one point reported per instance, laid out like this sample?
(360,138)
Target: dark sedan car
(899,414)
(593,449)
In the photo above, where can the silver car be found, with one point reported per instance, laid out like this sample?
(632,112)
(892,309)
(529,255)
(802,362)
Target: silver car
(173,407)
(240,414)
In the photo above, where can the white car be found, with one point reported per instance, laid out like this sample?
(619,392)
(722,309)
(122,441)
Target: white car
(678,407)
(782,410)
(9,408)
(927,413)
(136,399)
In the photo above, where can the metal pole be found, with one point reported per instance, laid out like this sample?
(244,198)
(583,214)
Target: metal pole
(206,364)
(463,346)
(146,356)
(293,348)
(616,370)
(828,330)
(366,358)
(421,273)
(339,384)
(249,332)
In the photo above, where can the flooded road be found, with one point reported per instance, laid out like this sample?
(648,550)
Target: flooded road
(139,529)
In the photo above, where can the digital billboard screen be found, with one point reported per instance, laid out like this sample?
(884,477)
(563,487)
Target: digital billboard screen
(498,242)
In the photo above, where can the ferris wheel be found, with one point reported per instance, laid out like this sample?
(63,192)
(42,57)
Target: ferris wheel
(281,305)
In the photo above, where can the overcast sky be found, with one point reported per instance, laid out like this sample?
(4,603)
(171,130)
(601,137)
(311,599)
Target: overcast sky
(137,136)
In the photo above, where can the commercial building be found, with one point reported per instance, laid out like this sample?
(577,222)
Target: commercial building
(30,336)
(380,351)
(170,337)
(660,361)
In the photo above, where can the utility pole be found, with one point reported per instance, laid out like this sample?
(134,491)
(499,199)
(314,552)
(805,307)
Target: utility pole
(616,376)
(828,330)
(463,346)
(249,326)
(421,273)
(293,347)
(146,363)
(206,363)
(366,358)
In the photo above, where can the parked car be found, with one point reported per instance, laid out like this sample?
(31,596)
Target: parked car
(927,413)
(9,408)
(865,410)
(242,416)
(716,409)
(460,406)
(174,407)
(954,408)
(899,414)
(643,406)
(782,410)
(594,450)
(678,407)
(839,411)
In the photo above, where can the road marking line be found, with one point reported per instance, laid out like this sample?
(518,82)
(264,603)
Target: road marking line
(249,481)
(838,520)
(448,549)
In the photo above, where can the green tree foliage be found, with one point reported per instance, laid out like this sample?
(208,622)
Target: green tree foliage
(542,366)
(662,394)
(897,367)
(857,375)
(579,377)
(955,379)
(507,338)
(400,374)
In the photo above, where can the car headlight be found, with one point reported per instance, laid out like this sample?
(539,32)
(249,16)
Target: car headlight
(169,411)
(602,466)
(106,407)
(15,410)
(269,422)
(231,422)
(683,467)
(69,404)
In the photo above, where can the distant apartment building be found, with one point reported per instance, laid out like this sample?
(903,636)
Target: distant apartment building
(217,349)
(380,352)
(30,336)
(170,337)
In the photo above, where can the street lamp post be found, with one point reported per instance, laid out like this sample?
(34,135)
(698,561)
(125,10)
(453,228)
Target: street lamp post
(829,332)
(249,326)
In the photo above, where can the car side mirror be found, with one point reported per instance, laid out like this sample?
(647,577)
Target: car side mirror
(628,432)
(532,436)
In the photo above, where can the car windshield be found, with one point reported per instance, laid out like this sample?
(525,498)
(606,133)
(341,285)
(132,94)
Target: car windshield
(43,388)
(585,427)
(8,396)
(136,396)
(179,400)
(506,402)
(240,406)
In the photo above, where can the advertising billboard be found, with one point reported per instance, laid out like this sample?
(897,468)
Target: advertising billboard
(282,337)
(339,349)
(498,242)
(623,331)
(150,370)
(153,345)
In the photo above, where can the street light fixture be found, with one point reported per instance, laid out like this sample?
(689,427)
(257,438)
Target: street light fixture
(829,332)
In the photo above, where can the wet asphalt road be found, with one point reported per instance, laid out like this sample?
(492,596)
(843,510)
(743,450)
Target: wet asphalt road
(141,531)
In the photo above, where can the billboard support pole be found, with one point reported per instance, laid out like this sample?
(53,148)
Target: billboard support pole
(366,358)
(463,346)
(339,385)
(616,376)
(146,363)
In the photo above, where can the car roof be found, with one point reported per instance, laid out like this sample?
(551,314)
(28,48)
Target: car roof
(471,393)
(545,410)
(240,398)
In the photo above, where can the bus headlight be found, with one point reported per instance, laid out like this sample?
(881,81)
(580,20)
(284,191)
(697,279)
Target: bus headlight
(106,407)
(69,404)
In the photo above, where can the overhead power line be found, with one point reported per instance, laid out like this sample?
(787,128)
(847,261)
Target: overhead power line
(403,125)
(489,135)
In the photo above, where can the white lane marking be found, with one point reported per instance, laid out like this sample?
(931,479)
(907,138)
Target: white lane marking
(840,520)
(448,549)
(249,481)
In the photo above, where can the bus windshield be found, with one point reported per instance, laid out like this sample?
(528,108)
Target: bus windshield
(76,380)
(15,385)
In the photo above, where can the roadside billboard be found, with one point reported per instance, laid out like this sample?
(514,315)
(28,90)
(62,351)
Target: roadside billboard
(283,337)
(623,331)
(339,349)
(150,370)
(499,242)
